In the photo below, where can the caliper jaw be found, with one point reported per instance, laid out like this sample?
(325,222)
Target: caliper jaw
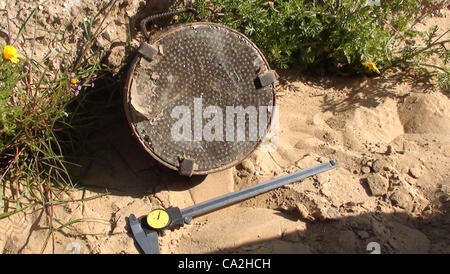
(147,239)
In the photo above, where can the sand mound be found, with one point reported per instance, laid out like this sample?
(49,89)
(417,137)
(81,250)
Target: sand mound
(373,125)
(425,113)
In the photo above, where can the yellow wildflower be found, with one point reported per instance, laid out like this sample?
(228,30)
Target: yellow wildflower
(73,81)
(10,54)
(371,66)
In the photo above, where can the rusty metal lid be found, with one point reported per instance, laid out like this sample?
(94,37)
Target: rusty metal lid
(185,77)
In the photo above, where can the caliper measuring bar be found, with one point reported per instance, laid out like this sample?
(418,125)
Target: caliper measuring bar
(145,229)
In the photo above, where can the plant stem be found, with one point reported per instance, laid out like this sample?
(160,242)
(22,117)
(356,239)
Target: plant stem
(89,43)
(433,66)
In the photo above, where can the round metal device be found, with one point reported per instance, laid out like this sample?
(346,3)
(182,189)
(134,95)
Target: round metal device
(189,77)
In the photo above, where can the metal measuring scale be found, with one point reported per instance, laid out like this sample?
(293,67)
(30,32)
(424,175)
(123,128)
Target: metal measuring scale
(145,229)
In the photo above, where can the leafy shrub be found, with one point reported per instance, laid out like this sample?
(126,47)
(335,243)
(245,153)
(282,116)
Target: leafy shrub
(333,36)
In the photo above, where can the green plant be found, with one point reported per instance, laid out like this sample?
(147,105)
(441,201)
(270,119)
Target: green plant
(444,79)
(40,113)
(336,36)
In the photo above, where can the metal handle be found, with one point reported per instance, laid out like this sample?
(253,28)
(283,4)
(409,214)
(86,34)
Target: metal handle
(150,18)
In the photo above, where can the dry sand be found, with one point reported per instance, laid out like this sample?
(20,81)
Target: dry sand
(389,136)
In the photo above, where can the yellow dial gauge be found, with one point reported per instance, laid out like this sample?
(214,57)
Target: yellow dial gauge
(158,219)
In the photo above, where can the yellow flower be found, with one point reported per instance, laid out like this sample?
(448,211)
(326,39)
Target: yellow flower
(10,54)
(371,66)
(73,81)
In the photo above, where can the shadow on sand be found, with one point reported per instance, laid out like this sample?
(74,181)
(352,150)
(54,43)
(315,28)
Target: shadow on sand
(396,233)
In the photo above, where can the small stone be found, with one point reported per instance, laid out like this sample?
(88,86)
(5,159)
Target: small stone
(415,172)
(324,212)
(365,169)
(248,166)
(107,35)
(364,161)
(401,198)
(379,165)
(303,211)
(378,185)
(388,150)
(322,159)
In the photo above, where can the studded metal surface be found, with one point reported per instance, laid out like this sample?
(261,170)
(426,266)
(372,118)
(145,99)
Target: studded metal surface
(198,60)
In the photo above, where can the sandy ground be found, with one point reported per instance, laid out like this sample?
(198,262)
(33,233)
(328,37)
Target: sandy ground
(389,136)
